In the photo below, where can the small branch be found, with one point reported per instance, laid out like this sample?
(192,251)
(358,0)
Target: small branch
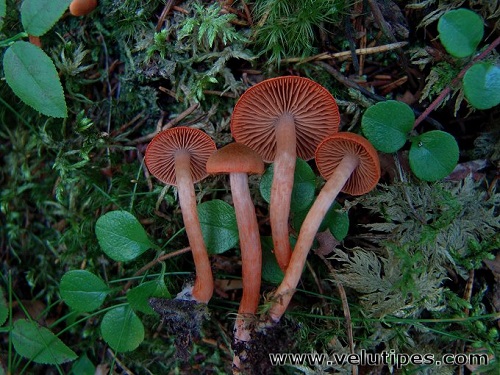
(154,263)
(171,123)
(347,54)
(455,82)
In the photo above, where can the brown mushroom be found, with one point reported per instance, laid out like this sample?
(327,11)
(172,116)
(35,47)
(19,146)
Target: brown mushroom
(82,7)
(284,118)
(238,161)
(350,164)
(178,157)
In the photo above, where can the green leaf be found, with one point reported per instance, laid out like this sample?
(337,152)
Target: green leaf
(82,290)
(38,16)
(387,124)
(139,296)
(3,12)
(271,271)
(32,76)
(4,309)
(121,236)
(218,225)
(38,344)
(337,221)
(83,366)
(482,85)
(433,155)
(460,31)
(304,185)
(122,329)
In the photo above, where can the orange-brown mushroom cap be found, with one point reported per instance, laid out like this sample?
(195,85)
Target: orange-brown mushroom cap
(161,151)
(235,158)
(256,113)
(331,151)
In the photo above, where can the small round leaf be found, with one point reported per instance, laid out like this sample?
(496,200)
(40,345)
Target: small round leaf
(337,221)
(460,32)
(433,155)
(82,290)
(218,225)
(122,329)
(38,16)
(138,297)
(482,85)
(387,124)
(304,185)
(121,236)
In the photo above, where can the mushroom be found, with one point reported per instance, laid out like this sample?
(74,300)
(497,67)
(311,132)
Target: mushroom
(284,118)
(350,164)
(238,161)
(82,7)
(177,157)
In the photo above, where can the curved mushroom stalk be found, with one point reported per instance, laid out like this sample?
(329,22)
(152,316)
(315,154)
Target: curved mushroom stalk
(350,164)
(204,284)
(284,118)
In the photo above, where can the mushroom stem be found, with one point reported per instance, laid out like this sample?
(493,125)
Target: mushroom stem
(308,230)
(281,188)
(251,259)
(204,284)
(248,230)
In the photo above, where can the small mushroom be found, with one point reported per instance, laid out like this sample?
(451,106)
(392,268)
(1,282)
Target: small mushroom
(284,118)
(177,157)
(350,164)
(238,161)
(82,7)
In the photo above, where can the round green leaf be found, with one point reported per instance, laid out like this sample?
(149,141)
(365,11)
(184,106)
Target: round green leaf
(337,221)
(121,236)
(38,16)
(139,296)
(32,76)
(82,290)
(122,329)
(271,271)
(304,185)
(433,155)
(83,366)
(460,32)
(218,225)
(387,124)
(482,85)
(39,345)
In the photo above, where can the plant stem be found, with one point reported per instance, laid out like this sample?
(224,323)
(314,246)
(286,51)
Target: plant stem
(11,40)
(281,188)
(308,230)
(204,284)
(455,82)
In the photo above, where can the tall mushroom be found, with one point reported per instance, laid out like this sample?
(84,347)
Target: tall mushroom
(238,161)
(284,118)
(350,164)
(177,157)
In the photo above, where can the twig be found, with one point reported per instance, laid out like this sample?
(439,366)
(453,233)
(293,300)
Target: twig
(154,263)
(345,307)
(347,54)
(171,123)
(347,82)
(455,82)
(163,15)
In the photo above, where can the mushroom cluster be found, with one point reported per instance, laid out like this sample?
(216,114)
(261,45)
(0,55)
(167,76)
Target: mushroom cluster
(277,121)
